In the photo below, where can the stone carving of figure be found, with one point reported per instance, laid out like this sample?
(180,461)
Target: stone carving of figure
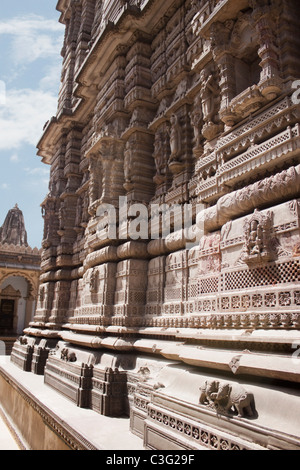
(62,216)
(226,398)
(175,138)
(257,238)
(68,356)
(255,244)
(79,212)
(159,158)
(208,94)
(85,210)
(42,296)
(197,122)
(93,188)
(128,164)
(94,281)
(48,212)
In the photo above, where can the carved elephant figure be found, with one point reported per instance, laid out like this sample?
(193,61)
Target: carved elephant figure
(68,356)
(209,388)
(23,340)
(236,397)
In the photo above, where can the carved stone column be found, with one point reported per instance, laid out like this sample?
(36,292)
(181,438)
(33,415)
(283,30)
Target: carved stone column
(266,19)
(139,167)
(95,180)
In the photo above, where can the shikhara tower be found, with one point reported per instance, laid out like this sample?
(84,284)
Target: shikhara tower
(176,102)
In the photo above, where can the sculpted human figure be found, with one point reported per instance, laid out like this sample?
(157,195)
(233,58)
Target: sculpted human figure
(93,189)
(62,216)
(128,162)
(255,239)
(79,212)
(159,157)
(208,93)
(85,209)
(94,281)
(197,122)
(175,138)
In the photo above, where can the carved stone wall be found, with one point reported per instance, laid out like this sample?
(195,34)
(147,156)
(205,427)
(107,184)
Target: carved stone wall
(180,102)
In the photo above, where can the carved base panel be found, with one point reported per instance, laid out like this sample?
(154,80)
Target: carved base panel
(109,392)
(185,412)
(66,373)
(40,355)
(178,433)
(173,406)
(137,422)
(178,419)
(22,352)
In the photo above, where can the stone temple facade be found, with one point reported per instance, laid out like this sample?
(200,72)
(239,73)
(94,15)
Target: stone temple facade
(190,104)
(19,278)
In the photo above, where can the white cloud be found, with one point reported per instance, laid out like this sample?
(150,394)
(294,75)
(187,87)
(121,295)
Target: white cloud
(4,186)
(51,80)
(23,117)
(24,111)
(33,37)
(14,158)
(31,47)
(2,92)
(37,178)
(38,171)
(27,23)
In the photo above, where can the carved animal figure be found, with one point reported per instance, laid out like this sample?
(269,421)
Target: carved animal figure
(23,340)
(68,356)
(208,390)
(236,397)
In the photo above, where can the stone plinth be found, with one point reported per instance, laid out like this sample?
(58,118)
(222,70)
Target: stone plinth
(49,421)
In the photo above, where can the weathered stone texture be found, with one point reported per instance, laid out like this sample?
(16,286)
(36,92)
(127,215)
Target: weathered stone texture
(177,102)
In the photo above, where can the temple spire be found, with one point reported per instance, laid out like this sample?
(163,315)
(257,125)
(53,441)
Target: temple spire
(13,230)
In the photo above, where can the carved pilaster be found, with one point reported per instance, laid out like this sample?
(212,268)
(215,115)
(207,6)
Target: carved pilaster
(226,64)
(138,162)
(266,21)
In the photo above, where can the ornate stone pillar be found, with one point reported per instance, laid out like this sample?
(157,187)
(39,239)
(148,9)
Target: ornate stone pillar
(220,38)
(139,167)
(111,152)
(266,19)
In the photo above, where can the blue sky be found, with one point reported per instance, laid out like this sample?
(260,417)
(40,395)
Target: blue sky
(31,39)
